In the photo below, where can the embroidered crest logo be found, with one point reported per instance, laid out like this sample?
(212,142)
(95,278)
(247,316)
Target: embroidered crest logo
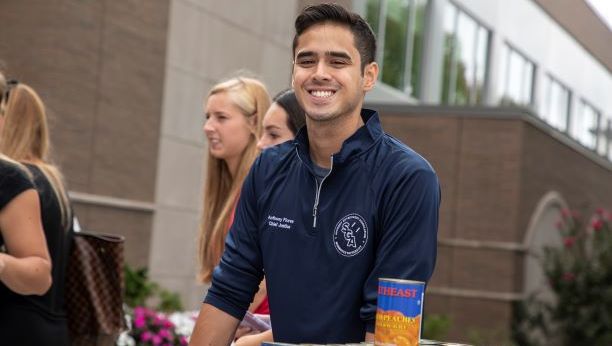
(350,235)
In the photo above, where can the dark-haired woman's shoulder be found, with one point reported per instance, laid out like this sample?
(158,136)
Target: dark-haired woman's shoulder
(48,199)
(35,172)
(13,181)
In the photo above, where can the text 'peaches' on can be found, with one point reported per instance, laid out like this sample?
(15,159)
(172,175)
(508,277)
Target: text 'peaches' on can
(398,313)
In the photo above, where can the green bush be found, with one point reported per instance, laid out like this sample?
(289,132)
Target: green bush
(580,277)
(435,327)
(141,291)
(169,301)
(138,288)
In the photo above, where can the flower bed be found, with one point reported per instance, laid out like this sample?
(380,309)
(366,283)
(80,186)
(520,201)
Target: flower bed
(148,327)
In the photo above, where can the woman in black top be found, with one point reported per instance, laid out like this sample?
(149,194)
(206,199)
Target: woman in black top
(36,320)
(25,267)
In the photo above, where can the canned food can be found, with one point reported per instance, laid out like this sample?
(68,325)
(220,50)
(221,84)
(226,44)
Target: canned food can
(398,313)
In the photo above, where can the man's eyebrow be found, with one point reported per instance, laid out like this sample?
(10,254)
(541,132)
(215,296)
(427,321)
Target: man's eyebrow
(333,54)
(305,54)
(341,55)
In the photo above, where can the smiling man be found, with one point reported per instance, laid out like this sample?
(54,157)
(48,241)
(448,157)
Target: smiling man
(329,213)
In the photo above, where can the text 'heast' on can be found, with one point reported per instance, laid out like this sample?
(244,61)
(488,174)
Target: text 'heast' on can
(399,311)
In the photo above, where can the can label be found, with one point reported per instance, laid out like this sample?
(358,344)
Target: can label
(399,311)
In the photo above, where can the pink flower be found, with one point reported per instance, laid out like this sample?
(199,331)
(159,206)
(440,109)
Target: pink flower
(156,340)
(165,334)
(565,213)
(139,321)
(600,211)
(183,341)
(568,242)
(597,225)
(157,320)
(139,310)
(146,336)
(568,277)
(168,324)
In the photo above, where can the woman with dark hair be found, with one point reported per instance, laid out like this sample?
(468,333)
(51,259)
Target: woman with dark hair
(282,121)
(27,319)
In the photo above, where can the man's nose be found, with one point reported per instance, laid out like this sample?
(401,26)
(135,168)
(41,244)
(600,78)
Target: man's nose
(322,71)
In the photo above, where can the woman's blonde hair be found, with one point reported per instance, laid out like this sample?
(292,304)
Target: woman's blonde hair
(17,165)
(220,188)
(25,138)
(2,85)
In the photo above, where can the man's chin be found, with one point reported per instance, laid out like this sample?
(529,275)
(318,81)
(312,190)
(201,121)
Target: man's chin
(319,113)
(319,116)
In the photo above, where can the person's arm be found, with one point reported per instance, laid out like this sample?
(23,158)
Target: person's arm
(407,240)
(259,296)
(25,268)
(255,339)
(213,327)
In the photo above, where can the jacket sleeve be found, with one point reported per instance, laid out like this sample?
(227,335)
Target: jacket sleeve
(407,236)
(236,279)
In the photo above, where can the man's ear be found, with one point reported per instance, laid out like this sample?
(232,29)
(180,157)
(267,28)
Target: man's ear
(370,76)
(292,74)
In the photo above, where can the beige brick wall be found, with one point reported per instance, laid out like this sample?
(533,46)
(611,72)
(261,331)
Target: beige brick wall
(98,66)
(207,41)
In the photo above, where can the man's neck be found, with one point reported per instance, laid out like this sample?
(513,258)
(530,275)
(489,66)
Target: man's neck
(326,138)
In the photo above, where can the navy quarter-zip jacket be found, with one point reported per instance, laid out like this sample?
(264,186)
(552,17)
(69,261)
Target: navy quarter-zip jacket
(324,246)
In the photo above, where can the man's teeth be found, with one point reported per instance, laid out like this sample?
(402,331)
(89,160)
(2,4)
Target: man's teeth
(320,93)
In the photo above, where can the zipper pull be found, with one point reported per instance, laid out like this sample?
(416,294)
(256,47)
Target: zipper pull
(314,215)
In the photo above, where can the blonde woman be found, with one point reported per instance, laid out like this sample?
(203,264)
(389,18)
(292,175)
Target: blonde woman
(24,138)
(234,110)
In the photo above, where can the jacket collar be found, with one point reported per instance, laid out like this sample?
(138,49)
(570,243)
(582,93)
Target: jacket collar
(357,143)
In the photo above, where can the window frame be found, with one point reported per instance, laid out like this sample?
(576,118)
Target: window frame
(508,48)
(409,48)
(583,103)
(451,92)
(544,112)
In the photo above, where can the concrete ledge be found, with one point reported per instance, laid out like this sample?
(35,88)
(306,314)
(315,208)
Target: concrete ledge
(482,244)
(494,113)
(113,202)
(476,294)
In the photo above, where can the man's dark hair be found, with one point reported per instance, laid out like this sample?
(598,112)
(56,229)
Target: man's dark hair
(365,41)
(296,118)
